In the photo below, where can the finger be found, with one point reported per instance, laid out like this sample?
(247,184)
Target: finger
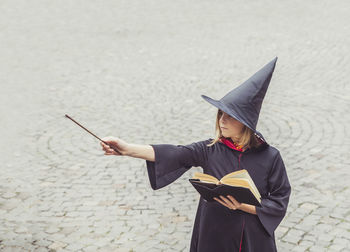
(221,202)
(115,153)
(111,152)
(106,149)
(232,198)
(105,146)
(110,149)
(228,202)
(235,202)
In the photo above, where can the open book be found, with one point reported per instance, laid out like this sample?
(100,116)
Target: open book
(239,184)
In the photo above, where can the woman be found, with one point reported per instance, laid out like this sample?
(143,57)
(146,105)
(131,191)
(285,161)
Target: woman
(226,225)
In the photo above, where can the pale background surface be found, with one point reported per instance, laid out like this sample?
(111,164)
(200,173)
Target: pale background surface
(136,69)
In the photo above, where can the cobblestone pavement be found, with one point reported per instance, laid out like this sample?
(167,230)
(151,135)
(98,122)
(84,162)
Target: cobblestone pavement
(136,70)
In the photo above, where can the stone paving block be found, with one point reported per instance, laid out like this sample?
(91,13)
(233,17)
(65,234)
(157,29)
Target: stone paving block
(337,247)
(300,248)
(293,236)
(12,249)
(318,248)
(58,189)
(41,249)
(57,245)
(75,246)
(284,246)
(90,248)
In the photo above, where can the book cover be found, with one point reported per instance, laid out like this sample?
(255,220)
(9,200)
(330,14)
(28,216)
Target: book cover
(238,184)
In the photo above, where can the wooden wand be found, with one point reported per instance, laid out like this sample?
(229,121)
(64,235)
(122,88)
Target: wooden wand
(92,133)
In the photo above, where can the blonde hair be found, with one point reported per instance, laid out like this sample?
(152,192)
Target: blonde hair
(247,139)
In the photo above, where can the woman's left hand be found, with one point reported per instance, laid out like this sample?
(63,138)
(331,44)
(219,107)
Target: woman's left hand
(229,202)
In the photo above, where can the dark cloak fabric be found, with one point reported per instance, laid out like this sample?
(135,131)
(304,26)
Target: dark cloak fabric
(216,227)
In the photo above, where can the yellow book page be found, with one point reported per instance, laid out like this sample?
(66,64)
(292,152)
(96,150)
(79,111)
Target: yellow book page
(236,174)
(205,177)
(236,182)
(252,184)
(244,174)
(243,183)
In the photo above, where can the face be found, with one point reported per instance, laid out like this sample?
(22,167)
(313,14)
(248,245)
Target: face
(229,126)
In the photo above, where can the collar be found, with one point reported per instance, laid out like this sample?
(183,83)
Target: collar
(231,144)
(228,142)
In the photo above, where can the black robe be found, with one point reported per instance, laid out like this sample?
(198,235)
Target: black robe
(216,227)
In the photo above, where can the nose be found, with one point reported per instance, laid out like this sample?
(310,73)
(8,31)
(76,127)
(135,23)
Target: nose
(222,118)
(224,115)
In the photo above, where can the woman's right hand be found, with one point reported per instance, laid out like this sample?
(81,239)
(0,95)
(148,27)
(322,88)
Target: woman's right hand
(117,143)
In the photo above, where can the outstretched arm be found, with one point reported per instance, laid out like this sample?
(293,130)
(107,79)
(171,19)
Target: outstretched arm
(126,149)
(165,162)
(141,151)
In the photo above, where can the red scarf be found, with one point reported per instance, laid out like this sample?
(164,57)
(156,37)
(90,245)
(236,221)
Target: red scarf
(231,144)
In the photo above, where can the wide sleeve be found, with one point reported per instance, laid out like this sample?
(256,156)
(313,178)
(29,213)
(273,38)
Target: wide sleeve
(171,161)
(274,205)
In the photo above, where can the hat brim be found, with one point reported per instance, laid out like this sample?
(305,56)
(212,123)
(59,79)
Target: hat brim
(223,107)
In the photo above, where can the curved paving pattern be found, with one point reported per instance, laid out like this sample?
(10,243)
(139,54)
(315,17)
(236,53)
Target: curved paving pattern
(137,70)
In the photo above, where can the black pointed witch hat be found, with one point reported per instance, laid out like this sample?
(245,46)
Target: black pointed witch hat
(244,102)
